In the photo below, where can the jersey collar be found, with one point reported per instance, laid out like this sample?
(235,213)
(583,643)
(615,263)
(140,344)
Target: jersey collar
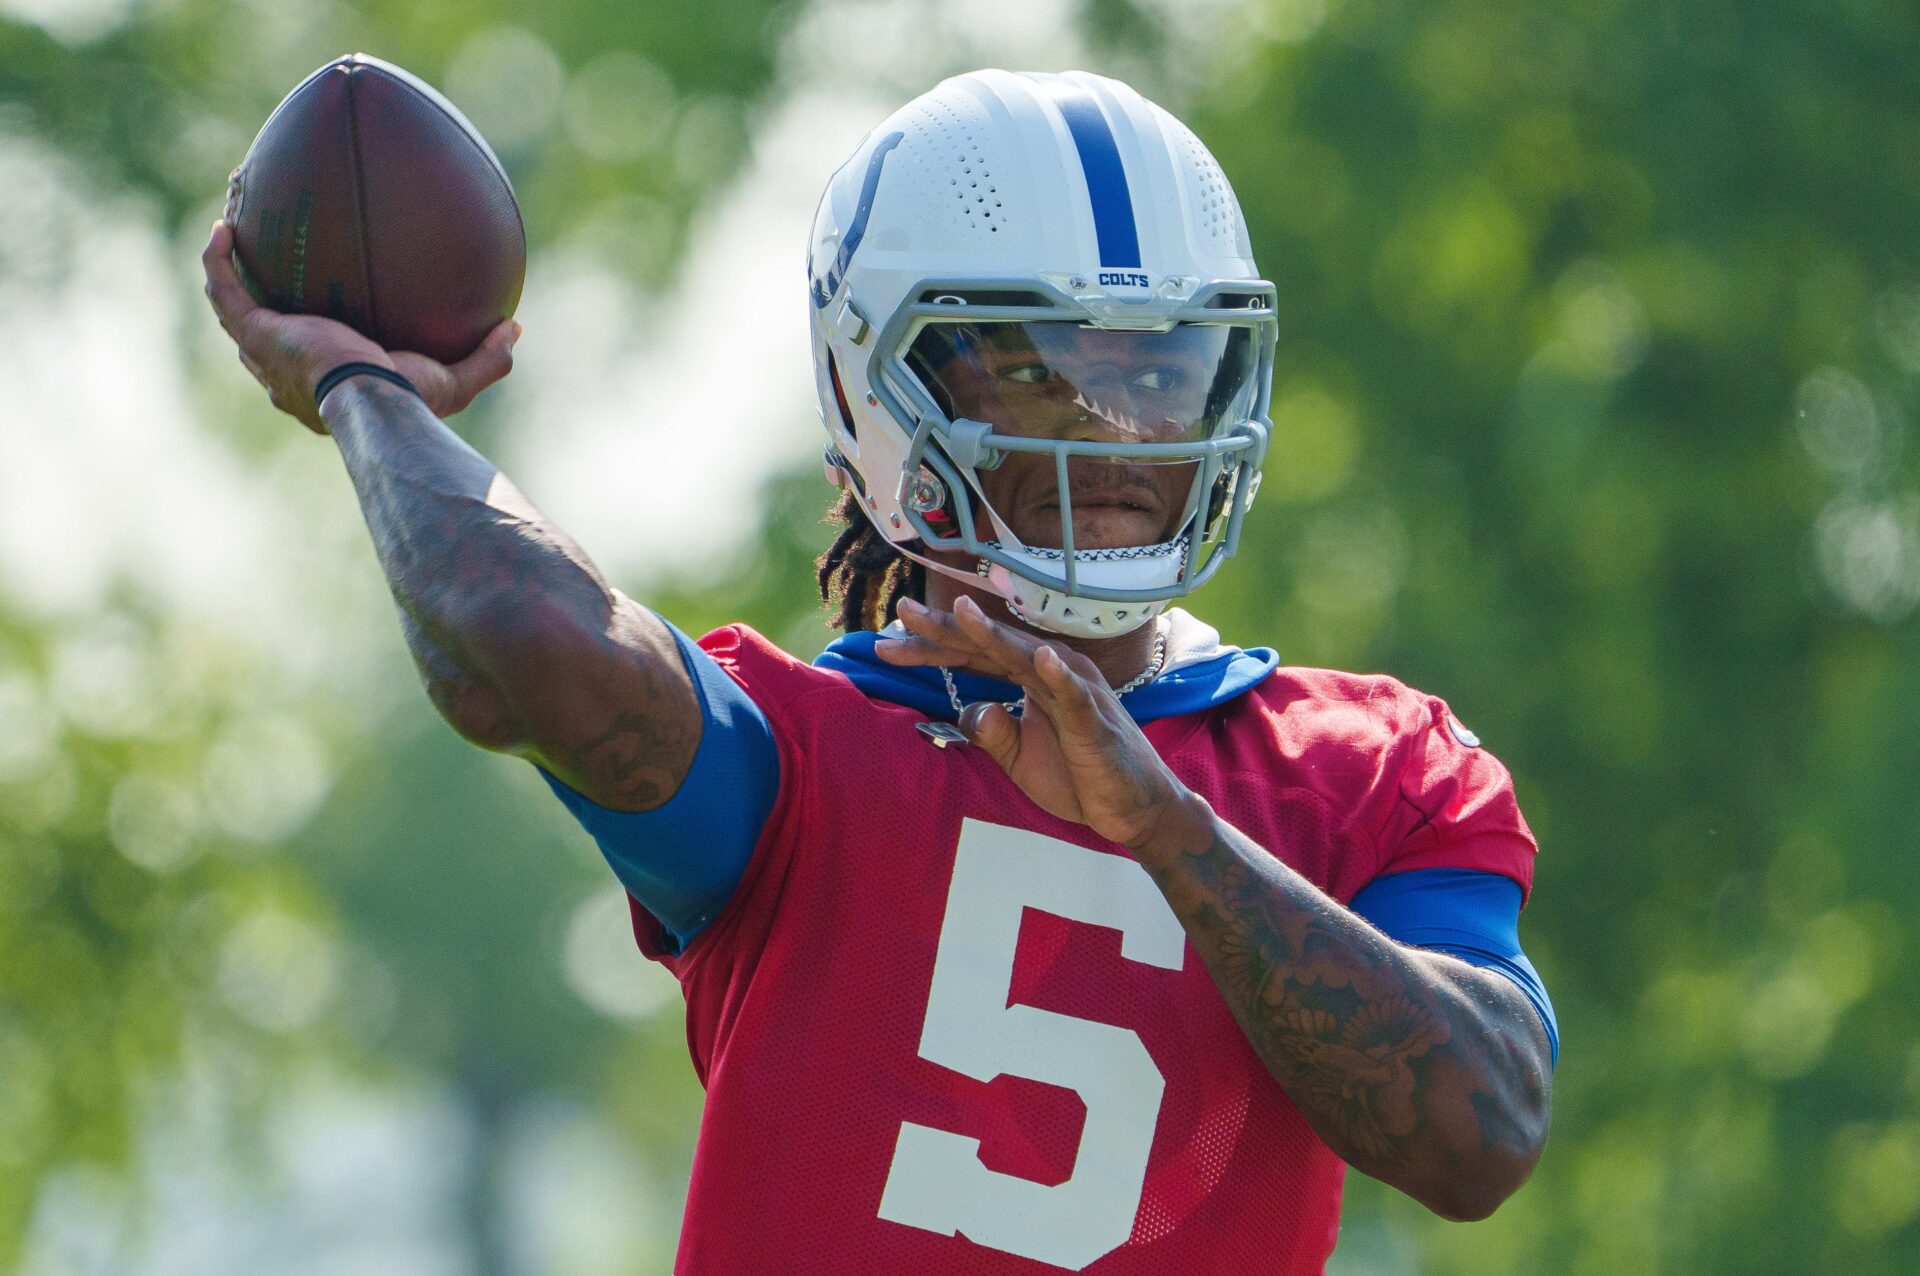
(1200,673)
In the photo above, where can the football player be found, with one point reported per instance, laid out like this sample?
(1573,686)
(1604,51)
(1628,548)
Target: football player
(1030,927)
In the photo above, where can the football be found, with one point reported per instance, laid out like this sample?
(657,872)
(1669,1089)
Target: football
(369,198)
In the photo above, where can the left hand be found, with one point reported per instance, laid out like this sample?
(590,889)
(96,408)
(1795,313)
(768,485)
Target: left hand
(1073,749)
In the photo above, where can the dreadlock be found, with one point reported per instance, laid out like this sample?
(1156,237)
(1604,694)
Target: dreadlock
(863,573)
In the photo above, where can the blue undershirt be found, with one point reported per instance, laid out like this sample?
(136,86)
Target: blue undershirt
(682,860)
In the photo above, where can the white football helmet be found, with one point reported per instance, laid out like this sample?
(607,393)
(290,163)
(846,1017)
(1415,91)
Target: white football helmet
(1024,212)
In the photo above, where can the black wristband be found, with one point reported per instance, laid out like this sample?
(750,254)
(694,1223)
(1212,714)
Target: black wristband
(334,376)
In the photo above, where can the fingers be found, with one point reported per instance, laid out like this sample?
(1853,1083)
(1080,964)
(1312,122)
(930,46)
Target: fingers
(933,638)
(1065,684)
(231,301)
(449,387)
(247,361)
(990,727)
(931,626)
(967,636)
(1074,700)
(1014,647)
(1029,659)
(914,650)
(490,362)
(1005,643)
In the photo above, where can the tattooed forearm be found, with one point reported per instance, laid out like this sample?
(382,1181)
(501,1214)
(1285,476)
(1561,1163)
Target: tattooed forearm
(478,711)
(453,535)
(523,646)
(1415,1068)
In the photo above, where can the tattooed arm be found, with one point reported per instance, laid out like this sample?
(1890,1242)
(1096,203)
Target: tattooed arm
(523,646)
(1416,1068)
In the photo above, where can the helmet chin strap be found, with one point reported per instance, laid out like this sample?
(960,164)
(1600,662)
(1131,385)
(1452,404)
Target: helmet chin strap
(1146,614)
(1056,611)
(1052,610)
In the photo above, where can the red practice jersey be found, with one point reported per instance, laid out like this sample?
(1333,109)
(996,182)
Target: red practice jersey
(945,1033)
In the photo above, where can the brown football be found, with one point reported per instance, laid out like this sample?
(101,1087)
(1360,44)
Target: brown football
(369,198)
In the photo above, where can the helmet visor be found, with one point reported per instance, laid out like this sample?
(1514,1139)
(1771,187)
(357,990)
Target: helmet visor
(1068,381)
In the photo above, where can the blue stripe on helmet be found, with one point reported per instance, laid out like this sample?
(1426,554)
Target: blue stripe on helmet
(1113,223)
(823,289)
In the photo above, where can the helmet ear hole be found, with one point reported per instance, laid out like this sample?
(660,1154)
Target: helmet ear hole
(839,393)
(839,462)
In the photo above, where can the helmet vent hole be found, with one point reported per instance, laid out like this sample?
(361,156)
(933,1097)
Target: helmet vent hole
(955,148)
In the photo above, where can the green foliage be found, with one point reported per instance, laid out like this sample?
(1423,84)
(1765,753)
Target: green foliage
(142,920)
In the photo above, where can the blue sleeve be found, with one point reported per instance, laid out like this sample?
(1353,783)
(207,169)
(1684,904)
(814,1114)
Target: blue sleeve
(682,859)
(1470,914)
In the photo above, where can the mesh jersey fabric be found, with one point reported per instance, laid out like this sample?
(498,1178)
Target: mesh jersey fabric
(808,997)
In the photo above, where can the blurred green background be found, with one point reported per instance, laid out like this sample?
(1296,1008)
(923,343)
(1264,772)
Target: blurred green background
(1601,348)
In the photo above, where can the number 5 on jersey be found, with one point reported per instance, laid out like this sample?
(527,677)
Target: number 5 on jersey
(936,1180)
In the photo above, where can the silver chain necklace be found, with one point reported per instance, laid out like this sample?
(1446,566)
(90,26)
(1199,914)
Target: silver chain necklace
(943,735)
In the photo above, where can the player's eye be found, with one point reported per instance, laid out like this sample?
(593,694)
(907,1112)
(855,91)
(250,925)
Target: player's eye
(1027,374)
(1161,380)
